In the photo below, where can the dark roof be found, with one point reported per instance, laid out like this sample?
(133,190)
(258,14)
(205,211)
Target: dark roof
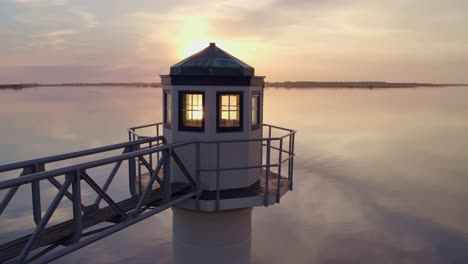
(212,61)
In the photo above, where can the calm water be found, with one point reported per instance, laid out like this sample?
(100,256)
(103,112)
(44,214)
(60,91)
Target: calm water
(381,175)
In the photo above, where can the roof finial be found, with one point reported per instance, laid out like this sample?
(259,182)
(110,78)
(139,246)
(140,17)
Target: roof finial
(212,44)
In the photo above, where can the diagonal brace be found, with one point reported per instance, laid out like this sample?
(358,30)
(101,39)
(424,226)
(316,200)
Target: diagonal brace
(148,167)
(50,211)
(67,194)
(103,194)
(184,170)
(150,183)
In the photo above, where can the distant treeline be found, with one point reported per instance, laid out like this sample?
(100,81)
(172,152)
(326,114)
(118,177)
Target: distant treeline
(29,85)
(301,84)
(132,84)
(18,86)
(306,84)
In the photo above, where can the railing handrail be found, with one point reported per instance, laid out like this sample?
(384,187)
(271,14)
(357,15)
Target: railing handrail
(95,163)
(87,165)
(132,129)
(75,154)
(147,125)
(281,128)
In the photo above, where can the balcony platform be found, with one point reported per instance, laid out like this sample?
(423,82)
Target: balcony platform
(251,196)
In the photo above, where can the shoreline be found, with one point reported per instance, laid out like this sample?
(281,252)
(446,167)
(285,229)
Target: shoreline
(301,85)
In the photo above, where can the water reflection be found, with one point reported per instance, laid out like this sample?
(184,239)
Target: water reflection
(380,174)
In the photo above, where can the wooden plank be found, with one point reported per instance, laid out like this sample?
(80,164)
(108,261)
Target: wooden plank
(64,230)
(272,183)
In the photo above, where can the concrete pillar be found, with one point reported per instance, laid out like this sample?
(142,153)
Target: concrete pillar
(222,237)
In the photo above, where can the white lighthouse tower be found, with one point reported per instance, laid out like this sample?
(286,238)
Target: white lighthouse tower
(239,162)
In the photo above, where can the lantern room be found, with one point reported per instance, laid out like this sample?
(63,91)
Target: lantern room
(215,96)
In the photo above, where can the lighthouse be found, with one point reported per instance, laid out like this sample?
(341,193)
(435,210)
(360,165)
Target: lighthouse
(239,161)
(215,161)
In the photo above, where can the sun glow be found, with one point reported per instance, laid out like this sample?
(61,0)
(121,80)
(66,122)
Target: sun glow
(193,47)
(194,34)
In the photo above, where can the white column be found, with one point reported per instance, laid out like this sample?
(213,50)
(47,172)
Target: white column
(222,237)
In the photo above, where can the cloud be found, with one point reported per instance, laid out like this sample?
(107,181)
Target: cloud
(89,19)
(362,39)
(65,73)
(45,2)
(55,31)
(55,38)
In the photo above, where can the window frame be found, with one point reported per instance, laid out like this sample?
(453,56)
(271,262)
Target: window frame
(239,128)
(165,115)
(183,127)
(257,94)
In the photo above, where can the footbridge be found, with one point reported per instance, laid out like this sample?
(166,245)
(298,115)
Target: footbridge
(77,198)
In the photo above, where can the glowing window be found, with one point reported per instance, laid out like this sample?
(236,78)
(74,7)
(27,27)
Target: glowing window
(229,112)
(191,113)
(167,109)
(255,113)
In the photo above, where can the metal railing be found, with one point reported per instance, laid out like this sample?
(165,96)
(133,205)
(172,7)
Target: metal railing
(285,155)
(266,163)
(124,213)
(85,225)
(134,133)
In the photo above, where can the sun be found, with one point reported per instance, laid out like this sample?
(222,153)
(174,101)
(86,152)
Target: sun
(194,33)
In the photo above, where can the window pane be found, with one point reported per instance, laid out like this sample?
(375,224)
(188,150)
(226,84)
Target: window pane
(233,115)
(167,109)
(192,114)
(255,110)
(233,100)
(229,110)
(254,102)
(224,100)
(197,115)
(224,115)
(188,100)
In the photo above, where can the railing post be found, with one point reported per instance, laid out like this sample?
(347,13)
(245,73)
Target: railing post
(132,172)
(157,142)
(151,154)
(167,176)
(289,161)
(197,171)
(139,175)
(278,187)
(76,191)
(36,201)
(267,176)
(36,194)
(292,162)
(217,176)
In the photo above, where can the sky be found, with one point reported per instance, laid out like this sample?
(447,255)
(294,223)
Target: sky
(55,41)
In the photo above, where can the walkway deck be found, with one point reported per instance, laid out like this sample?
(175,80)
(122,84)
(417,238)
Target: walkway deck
(61,232)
